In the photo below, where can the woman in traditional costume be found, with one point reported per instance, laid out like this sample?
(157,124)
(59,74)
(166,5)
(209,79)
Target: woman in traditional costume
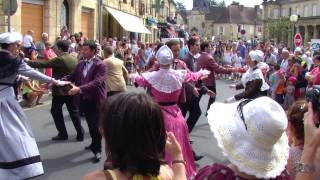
(252,80)
(166,88)
(19,154)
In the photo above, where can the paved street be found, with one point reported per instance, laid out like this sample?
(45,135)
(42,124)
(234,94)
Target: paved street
(69,160)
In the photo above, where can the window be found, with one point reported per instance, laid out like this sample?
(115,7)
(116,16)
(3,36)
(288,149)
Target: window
(283,12)
(290,11)
(276,13)
(259,29)
(221,30)
(132,3)
(305,11)
(297,10)
(124,1)
(314,10)
(271,14)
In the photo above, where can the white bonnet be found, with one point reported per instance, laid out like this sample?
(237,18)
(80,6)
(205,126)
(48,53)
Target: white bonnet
(164,55)
(10,37)
(256,55)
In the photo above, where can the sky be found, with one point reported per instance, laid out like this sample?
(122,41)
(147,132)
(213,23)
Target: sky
(251,3)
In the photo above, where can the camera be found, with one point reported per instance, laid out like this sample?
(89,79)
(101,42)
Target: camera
(313,96)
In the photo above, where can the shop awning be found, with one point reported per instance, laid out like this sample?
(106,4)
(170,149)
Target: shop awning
(128,22)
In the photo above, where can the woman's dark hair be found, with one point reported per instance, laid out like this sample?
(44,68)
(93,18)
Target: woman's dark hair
(295,116)
(135,134)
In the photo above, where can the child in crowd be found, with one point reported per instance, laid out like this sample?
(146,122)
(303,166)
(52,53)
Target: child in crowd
(280,87)
(237,63)
(274,80)
(32,92)
(290,89)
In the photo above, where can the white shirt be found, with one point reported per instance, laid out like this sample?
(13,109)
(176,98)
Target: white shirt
(284,65)
(27,41)
(87,66)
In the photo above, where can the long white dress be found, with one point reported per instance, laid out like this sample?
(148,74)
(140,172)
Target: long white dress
(19,154)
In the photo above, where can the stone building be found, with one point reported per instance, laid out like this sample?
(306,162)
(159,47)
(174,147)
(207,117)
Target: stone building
(308,24)
(225,23)
(95,18)
(51,15)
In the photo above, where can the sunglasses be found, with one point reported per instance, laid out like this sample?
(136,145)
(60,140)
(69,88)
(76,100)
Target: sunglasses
(240,110)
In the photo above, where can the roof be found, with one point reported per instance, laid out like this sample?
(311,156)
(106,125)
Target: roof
(235,14)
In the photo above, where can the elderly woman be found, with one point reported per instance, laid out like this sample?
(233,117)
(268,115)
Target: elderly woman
(165,87)
(252,80)
(251,134)
(19,154)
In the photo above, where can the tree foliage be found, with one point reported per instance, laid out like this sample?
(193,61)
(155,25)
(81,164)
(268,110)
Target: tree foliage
(181,6)
(212,2)
(222,4)
(279,29)
(235,3)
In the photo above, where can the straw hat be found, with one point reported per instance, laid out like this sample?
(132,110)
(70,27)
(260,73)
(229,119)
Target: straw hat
(252,135)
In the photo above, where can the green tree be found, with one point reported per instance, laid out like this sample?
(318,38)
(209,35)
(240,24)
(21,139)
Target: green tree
(279,29)
(212,2)
(235,3)
(180,6)
(222,4)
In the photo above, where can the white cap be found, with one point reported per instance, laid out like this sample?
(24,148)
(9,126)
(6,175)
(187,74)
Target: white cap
(164,55)
(10,37)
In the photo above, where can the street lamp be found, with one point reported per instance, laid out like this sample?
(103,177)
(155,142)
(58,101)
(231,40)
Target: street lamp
(293,19)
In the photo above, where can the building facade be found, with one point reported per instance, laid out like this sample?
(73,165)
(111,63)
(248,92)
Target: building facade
(225,23)
(308,24)
(91,17)
(51,15)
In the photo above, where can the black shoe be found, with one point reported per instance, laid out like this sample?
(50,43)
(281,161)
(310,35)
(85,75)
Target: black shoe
(59,138)
(80,137)
(97,157)
(196,157)
(88,147)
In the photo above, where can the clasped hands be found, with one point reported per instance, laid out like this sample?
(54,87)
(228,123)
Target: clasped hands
(73,91)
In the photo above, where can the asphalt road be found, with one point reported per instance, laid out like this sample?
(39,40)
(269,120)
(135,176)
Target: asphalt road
(68,160)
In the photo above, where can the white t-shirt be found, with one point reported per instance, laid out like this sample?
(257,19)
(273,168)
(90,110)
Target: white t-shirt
(27,41)
(238,61)
(227,58)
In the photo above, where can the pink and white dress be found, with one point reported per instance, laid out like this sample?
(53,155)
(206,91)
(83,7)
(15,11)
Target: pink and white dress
(166,86)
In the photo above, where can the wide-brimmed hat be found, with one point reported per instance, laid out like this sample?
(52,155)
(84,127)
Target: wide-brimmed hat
(252,135)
